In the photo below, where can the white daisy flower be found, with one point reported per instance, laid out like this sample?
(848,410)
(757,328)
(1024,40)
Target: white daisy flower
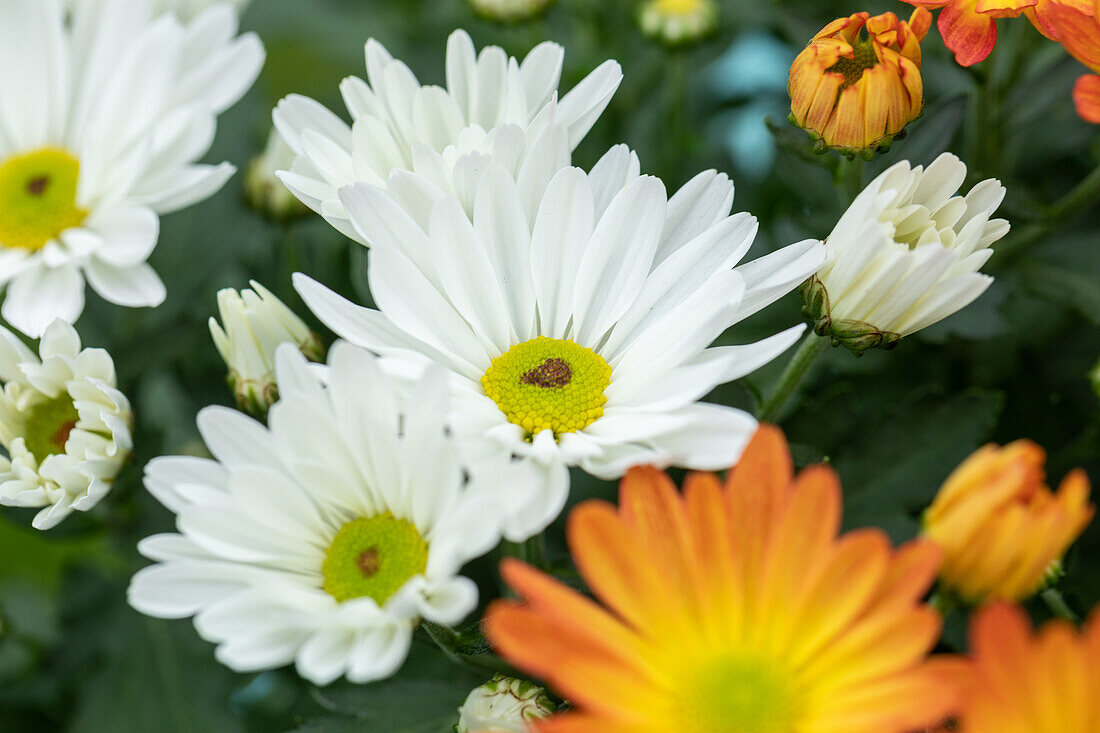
(495,110)
(101,122)
(905,255)
(325,538)
(64,425)
(578,338)
(256,324)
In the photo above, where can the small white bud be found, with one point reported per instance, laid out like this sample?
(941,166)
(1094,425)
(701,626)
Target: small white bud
(263,189)
(503,705)
(253,325)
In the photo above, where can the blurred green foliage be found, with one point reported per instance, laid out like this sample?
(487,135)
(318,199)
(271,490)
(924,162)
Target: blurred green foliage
(74,657)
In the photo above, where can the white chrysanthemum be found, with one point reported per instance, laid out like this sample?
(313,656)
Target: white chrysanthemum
(578,337)
(256,323)
(495,110)
(906,254)
(65,426)
(678,21)
(101,122)
(503,705)
(324,538)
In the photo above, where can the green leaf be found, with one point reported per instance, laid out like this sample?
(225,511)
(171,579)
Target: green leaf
(1066,287)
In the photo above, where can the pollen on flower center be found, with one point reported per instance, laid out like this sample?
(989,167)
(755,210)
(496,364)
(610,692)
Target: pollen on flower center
(373,557)
(864,58)
(549,384)
(48,427)
(38,197)
(737,694)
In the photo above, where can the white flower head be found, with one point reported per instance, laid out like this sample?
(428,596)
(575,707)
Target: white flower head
(256,323)
(102,120)
(906,254)
(326,537)
(495,110)
(265,192)
(578,337)
(65,426)
(503,705)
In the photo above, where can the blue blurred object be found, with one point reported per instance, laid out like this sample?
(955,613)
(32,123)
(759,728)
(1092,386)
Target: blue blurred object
(752,74)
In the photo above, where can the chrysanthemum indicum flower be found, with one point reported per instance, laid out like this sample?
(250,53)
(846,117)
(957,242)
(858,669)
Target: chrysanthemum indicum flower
(1016,680)
(730,607)
(256,323)
(324,538)
(102,121)
(858,82)
(1000,526)
(65,426)
(582,338)
(494,109)
(905,255)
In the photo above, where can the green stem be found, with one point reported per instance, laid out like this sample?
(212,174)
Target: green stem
(1058,606)
(849,179)
(792,376)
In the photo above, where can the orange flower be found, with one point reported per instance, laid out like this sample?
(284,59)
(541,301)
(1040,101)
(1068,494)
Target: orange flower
(999,525)
(1019,682)
(858,82)
(730,607)
(1079,32)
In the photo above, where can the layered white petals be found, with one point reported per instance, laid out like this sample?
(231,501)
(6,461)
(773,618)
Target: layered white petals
(132,96)
(59,458)
(256,522)
(908,251)
(495,110)
(605,259)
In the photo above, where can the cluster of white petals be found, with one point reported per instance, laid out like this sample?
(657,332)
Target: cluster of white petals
(908,251)
(64,424)
(495,110)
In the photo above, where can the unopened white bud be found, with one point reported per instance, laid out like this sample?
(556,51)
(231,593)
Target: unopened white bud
(503,705)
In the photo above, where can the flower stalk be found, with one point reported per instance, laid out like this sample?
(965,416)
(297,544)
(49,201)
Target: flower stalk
(796,370)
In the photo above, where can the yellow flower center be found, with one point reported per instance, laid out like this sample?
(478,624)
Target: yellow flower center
(679,7)
(853,68)
(373,557)
(38,198)
(737,694)
(48,426)
(548,384)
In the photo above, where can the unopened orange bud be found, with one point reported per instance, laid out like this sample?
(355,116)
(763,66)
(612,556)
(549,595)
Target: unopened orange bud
(1000,527)
(858,83)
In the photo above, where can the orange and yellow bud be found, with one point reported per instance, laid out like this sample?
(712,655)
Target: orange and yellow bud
(1020,681)
(1000,527)
(858,83)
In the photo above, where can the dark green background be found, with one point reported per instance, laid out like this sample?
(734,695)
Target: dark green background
(1014,364)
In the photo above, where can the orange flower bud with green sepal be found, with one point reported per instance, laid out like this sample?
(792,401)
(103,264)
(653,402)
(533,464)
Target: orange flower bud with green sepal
(858,83)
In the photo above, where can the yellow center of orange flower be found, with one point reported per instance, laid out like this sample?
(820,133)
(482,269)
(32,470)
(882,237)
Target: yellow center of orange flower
(864,58)
(739,694)
(549,384)
(38,198)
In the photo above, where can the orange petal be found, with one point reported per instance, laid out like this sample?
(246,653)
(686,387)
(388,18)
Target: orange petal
(969,34)
(1086,95)
(1079,33)
(1003,8)
(910,574)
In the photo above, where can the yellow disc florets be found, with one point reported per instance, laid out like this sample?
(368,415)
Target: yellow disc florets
(549,384)
(739,694)
(38,198)
(48,425)
(373,557)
